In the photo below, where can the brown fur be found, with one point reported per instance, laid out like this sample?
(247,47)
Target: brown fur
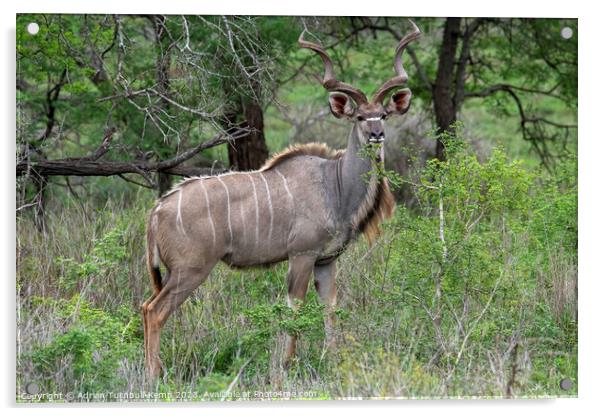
(307,149)
(382,208)
(379,204)
(299,237)
(151,262)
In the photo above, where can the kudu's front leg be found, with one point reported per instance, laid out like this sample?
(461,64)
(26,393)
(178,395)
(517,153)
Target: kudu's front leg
(299,273)
(324,280)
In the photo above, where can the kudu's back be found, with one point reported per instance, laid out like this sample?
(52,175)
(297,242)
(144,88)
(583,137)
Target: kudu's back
(245,218)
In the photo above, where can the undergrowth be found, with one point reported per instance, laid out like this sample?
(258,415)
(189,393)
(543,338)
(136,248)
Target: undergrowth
(472,293)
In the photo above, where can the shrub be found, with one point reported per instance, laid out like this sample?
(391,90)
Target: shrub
(88,353)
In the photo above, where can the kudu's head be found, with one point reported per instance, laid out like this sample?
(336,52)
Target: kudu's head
(349,102)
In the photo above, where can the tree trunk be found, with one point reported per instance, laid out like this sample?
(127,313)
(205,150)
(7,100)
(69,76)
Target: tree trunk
(443,96)
(162,65)
(163,183)
(252,152)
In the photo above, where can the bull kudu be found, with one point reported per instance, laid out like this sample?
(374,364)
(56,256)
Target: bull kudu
(305,205)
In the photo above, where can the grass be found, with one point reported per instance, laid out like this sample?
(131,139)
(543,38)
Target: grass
(489,310)
(503,324)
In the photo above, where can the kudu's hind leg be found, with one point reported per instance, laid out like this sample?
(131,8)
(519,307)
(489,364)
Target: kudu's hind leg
(143,309)
(324,280)
(180,286)
(299,273)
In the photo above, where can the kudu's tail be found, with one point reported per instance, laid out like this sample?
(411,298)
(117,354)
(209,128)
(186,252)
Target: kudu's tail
(153,259)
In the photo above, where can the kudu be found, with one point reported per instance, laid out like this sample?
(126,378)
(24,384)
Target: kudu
(305,205)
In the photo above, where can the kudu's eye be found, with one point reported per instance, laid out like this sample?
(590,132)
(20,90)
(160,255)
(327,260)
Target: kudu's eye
(360,118)
(383,117)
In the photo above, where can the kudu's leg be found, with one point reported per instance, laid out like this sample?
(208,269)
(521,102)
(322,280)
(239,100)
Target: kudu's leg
(144,308)
(299,273)
(181,284)
(324,280)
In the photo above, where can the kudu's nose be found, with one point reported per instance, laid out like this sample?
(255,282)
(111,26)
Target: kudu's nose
(377,136)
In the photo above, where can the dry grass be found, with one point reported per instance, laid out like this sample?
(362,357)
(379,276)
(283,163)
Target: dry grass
(386,346)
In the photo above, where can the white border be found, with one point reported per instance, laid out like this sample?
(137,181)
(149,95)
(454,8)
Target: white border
(589,196)
(468,8)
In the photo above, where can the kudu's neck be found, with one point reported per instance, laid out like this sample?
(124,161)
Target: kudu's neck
(357,171)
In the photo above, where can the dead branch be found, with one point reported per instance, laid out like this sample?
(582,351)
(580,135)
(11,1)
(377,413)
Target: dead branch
(532,127)
(91,166)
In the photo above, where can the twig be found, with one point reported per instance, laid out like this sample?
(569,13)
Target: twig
(104,147)
(233,383)
(125,178)
(77,198)
(31,204)
(474,324)
(513,370)
(442,225)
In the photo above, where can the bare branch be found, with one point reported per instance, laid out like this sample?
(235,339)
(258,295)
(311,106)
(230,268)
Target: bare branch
(504,87)
(31,204)
(104,147)
(52,97)
(215,141)
(532,128)
(88,166)
(125,178)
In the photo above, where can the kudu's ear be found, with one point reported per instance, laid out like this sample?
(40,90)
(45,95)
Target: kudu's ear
(341,105)
(400,102)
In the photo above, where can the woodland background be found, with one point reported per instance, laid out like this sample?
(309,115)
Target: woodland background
(471,290)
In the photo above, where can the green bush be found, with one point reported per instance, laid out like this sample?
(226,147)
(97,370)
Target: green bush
(471,292)
(92,347)
(106,258)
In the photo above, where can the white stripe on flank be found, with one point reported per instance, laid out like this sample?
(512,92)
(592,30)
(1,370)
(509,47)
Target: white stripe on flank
(256,210)
(179,223)
(156,259)
(267,188)
(155,223)
(209,211)
(228,198)
(154,229)
(288,191)
(243,224)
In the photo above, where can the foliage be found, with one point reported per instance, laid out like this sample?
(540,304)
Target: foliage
(162,83)
(90,351)
(470,292)
(107,255)
(477,301)
(372,152)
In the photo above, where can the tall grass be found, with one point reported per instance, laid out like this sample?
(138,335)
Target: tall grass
(488,310)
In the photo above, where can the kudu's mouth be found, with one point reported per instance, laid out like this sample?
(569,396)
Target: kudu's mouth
(376,140)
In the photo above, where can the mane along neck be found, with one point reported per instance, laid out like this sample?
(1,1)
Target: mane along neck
(378,205)
(308,149)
